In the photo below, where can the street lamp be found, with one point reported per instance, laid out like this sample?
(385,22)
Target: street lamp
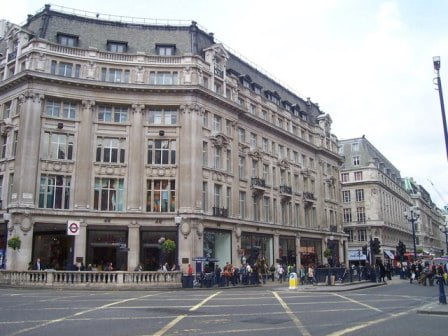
(445,231)
(178,221)
(436,62)
(412,216)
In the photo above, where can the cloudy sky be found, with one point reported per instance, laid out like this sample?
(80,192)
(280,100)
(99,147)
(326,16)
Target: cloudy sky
(367,63)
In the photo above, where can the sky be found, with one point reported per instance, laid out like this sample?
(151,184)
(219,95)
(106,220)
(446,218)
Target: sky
(368,64)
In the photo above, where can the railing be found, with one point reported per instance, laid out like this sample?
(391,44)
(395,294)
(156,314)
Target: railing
(308,195)
(67,50)
(285,190)
(12,55)
(258,182)
(220,212)
(91,279)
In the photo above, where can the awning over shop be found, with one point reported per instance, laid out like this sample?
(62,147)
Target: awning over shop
(389,254)
(356,255)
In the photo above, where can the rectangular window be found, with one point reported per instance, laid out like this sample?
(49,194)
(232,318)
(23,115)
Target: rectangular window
(242,167)
(4,143)
(350,234)
(163,78)
(15,141)
(358,176)
(254,168)
(346,196)
(114,75)
(108,194)
(362,235)
(58,146)
(242,204)
(7,110)
(229,128)
(217,158)
(110,150)
(253,140)
(359,195)
(266,208)
(347,212)
(53,108)
(241,135)
(54,192)
(356,160)
(266,173)
(117,47)
(344,177)
(162,116)
(265,144)
(361,215)
(68,40)
(204,196)
(216,127)
(205,119)
(165,50)
(264,114)
(1,192)
(228,199)
(114,114)
(355,147)
(161,152)
(160,195)
(229,160)
(205,154)
(217,196)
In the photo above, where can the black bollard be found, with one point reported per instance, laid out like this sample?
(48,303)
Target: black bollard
(440,282)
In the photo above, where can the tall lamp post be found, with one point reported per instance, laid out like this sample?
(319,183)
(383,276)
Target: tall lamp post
(178,221)
(412,216)
(445,231)
(436,62)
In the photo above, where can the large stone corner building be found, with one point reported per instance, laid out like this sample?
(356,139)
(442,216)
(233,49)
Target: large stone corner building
(138,131)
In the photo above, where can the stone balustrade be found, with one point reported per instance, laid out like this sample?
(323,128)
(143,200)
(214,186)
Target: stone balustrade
(91,279)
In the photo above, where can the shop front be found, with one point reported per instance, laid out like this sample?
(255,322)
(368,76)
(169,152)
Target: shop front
(311,251)
(53,246)
(255,245)
(218,247)
(107,246)
(287,250)
(3,242)
(152,256)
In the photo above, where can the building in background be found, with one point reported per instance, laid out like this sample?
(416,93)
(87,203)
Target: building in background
(124,135)
(374,199)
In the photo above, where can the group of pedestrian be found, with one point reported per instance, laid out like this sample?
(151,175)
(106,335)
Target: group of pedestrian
(424,272)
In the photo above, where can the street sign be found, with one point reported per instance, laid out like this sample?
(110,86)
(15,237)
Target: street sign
(73,228)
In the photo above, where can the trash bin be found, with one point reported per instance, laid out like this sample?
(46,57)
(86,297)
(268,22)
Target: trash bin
(187,281)
(293,280)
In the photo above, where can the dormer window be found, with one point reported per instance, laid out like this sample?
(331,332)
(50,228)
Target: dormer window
(68,40)
(246,84)
(117,46)
(287,106)
(165,49)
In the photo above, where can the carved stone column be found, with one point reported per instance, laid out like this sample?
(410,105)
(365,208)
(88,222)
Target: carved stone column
(276,247)
(135,160)
(85,145)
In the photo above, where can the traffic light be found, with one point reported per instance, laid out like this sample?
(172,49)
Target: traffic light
(376,246)
(401,248)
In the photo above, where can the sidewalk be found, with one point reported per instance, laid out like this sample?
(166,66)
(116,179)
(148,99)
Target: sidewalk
(434,308)
(321,287)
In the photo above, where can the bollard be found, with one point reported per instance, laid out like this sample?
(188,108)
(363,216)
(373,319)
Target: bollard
(440,282)
(293,280)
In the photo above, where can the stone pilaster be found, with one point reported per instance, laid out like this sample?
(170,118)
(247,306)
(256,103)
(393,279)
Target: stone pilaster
(133,245)
(21,225)
(298,258)
(190,157)
(276,247)
(84,154)
(135,160)
(26,160)
(81,243)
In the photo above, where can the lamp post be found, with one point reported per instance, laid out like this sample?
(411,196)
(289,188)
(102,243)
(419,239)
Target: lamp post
(445,231)
(178,221)
(412,216)
(436,63)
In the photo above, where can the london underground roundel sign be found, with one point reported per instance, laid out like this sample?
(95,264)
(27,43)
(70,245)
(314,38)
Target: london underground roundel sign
(73,228)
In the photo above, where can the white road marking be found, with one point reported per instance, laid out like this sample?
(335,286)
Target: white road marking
(21,331)
(181,317)
(357,302)
(292,316)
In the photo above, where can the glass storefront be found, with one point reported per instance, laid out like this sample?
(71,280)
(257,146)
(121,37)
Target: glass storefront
(53,246)
(333,245)
(151,255)
(311,252)
(217,245)
(107,246)
(287,250)
(256,245)
(3,240)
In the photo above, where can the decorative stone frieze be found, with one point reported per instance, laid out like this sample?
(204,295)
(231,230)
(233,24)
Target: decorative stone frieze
(161,171)
(57,167)
(220,140)
(192,108)
(102,170)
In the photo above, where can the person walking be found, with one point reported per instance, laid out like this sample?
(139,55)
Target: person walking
(310,274)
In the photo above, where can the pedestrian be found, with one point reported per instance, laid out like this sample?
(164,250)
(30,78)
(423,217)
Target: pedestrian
(280,272)
(310,274)
(272,270)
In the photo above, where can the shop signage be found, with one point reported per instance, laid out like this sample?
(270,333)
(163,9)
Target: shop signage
(73,228)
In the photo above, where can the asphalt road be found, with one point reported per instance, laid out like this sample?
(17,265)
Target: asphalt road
(387,310)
